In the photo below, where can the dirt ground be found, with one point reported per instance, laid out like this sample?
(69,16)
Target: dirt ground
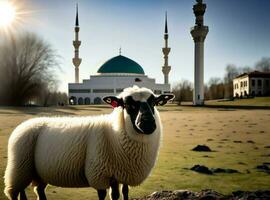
(240,139)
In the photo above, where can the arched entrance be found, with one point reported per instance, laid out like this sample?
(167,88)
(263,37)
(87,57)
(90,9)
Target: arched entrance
(87,101)
(97,100)
(72,100)
(80,101)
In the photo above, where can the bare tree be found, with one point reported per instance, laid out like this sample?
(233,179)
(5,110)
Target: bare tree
(215,89)
(231,72)
(245,69)
(263,65)
(53,98)
(27,66)
(182,91)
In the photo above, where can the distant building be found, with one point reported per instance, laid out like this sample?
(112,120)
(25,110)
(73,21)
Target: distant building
(114,75)
(252,84)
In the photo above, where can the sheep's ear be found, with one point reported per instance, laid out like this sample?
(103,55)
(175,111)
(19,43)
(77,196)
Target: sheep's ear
(163,99)
(113,101)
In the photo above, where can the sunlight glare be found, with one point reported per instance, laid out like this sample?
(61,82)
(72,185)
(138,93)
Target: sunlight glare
(7,13)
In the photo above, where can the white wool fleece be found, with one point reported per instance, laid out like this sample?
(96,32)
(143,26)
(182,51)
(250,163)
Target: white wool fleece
(80,151)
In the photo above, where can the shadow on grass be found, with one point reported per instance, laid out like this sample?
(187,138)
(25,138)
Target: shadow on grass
(230,107)
(238,107)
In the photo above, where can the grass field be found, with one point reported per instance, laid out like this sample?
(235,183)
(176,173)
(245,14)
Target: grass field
(226,131)
(254,102)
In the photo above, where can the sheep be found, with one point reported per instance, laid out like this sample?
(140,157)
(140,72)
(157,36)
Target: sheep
(91,151)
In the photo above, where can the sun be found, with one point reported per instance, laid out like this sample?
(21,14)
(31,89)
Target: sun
(7,13)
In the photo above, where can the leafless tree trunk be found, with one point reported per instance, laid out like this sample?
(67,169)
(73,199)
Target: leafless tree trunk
(182,91)
(215,89)
(27,65)
(231,72)
(263,65)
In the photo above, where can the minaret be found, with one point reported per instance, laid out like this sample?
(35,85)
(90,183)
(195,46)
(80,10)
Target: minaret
(199,32)
(166,50)
(76,43)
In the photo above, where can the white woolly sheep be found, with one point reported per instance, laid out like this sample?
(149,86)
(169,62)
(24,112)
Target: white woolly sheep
(100,152)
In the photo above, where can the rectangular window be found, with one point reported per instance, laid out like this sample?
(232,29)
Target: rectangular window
(79,91)
(253,83)
(157,91)
(259,83)
(266,83)
(118,90)
(103,91)
(241,84)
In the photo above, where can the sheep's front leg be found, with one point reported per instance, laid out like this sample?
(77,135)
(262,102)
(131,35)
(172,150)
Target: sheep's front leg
(23,195)
(101,194)
(40,191)
(125,192)
(115,189)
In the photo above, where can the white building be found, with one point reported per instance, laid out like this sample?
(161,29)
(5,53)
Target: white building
(111,78)
(252,84)
(114,75)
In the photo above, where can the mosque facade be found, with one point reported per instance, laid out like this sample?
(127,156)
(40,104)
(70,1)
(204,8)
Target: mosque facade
(114,75)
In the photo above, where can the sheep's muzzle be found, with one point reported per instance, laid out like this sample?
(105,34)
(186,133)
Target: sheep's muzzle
(145,120)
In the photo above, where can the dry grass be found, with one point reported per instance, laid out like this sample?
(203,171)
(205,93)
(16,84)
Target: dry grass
(254,102)
(184,128)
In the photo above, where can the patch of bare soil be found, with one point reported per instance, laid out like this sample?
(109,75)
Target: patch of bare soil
(206,195)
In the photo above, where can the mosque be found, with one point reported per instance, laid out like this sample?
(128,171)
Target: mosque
(120,72)
(114,75)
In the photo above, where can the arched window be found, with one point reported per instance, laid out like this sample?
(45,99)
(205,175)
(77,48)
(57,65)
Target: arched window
(72,100)
(80,101)
(97,100)
(87,101)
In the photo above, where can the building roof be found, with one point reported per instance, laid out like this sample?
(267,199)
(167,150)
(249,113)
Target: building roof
(257,74)
(121,64)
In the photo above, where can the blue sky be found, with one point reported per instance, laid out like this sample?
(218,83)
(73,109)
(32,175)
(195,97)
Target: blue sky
(239,33)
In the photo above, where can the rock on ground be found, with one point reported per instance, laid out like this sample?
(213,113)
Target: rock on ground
(202,148)
(206,195)
(205,170)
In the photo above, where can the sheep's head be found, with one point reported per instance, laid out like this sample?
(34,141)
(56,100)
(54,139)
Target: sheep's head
(139,106)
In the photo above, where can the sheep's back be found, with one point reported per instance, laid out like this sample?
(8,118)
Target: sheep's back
(60,152)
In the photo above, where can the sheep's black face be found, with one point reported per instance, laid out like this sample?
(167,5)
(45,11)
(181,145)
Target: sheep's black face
(141,114)
(140,107)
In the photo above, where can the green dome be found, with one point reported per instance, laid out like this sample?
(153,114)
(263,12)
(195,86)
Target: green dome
(121,64)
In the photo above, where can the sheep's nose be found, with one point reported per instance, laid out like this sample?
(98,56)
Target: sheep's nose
(147,127)
(145,120)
